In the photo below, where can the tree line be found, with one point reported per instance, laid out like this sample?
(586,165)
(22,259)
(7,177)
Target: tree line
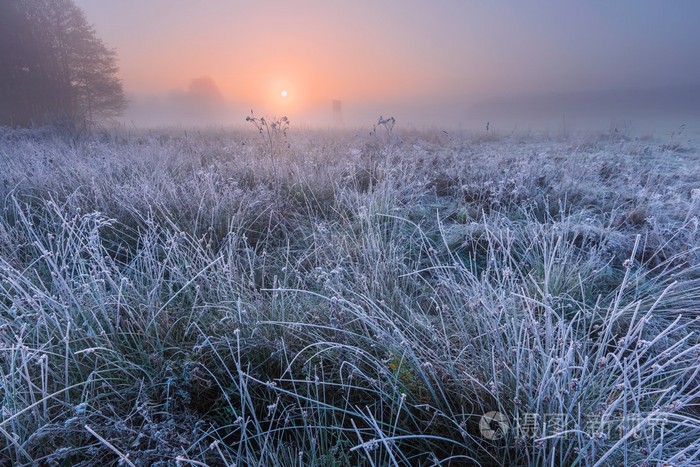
(53,67)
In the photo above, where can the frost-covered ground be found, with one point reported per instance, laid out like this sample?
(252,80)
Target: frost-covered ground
(338,298)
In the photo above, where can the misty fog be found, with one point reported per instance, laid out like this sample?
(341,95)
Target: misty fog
(454,64)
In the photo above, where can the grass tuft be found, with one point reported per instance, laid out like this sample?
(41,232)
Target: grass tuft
(418,299)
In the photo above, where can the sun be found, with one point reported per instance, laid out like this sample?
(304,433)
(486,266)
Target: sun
(284,93)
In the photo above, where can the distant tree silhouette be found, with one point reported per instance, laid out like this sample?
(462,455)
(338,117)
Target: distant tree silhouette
(205,89)
(53,66)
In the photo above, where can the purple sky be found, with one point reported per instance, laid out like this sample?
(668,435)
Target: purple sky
(398,53)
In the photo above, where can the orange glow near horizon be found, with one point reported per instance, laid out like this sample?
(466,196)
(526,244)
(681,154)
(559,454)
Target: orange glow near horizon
(391,56)
(320,54)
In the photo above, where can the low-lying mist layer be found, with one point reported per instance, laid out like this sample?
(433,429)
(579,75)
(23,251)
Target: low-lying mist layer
(332,298)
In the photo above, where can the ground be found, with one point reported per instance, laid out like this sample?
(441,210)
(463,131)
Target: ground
(348,297)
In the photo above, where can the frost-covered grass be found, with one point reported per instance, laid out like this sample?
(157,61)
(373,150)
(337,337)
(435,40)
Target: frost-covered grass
(350,299)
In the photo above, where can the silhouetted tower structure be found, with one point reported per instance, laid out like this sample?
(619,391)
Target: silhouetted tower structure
(337,107)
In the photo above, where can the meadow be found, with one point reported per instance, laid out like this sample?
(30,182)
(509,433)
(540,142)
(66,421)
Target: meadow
(338,297)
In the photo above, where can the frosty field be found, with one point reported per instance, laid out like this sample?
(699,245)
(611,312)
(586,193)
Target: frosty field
(345,298)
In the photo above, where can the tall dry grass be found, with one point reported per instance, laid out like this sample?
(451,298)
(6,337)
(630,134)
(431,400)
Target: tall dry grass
(174,298)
